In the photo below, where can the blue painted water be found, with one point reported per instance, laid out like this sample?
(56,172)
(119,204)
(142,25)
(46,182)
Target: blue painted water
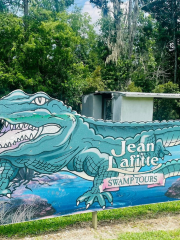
(63,194)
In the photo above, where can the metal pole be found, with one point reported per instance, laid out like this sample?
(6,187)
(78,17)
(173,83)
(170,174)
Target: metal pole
(94,220)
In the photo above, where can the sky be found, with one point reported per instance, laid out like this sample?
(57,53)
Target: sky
(93,11)
(86,6)
(90,8)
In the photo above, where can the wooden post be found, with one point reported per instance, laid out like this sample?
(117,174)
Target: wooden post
(94,220)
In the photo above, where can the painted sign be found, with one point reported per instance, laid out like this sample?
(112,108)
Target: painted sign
(54,161)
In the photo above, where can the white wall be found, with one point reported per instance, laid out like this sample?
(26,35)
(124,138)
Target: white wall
(136,109)
(125,109)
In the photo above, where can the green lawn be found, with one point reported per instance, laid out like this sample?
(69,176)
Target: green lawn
(154,235)
(125,214)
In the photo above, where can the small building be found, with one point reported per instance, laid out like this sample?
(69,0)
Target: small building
(121,106)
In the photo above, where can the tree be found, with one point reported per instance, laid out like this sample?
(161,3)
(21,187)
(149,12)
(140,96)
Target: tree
(14,6)
(167,13)
(52,5)
(132,23)
(4,5)
(166,108)
(146,65)
(57,57)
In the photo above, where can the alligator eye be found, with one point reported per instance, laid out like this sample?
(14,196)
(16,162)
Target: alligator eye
(40,100)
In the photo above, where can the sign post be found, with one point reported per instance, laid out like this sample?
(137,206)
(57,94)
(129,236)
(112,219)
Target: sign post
(94,220)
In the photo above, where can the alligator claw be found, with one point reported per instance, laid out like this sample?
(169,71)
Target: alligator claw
(90,197)
(8,195)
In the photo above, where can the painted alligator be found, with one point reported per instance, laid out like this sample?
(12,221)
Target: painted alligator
(42,134)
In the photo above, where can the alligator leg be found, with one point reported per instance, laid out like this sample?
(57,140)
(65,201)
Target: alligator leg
(95,195)
(155,150)
(7,173)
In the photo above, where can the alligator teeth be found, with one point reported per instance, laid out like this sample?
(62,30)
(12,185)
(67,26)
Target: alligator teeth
(50,129)
(26,132)
(31,136)
(39,132)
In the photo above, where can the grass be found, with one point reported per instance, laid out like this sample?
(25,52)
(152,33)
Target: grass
(158,235)
(51,225)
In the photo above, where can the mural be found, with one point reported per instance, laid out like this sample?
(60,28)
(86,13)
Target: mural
(54,161)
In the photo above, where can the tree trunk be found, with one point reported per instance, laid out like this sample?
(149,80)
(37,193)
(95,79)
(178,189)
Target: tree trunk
(25,2)
(130,27)
(132,24)
(56,5)
(174,23)
(117,46)
(25,8)
(134,20)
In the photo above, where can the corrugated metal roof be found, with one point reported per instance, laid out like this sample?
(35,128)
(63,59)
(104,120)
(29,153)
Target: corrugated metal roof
(140,94)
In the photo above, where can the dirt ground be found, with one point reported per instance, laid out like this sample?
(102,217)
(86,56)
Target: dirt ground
(112,228)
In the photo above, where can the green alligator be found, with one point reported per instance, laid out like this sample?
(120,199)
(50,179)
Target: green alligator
(40,133)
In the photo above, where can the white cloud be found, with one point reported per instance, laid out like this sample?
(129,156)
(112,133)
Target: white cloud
(94,12)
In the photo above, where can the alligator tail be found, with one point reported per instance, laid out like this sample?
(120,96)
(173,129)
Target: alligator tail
(170,168)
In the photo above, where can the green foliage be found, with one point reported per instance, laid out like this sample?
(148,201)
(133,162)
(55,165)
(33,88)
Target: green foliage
(3,7)
(166,108)
(94,82)
(52,5)
(166,88)
(58,55)
(87,49)
(167,14)
(61,53)
(158,235)
(145,64)
(116,75)
(6,5)
(132,88)
(145,68)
